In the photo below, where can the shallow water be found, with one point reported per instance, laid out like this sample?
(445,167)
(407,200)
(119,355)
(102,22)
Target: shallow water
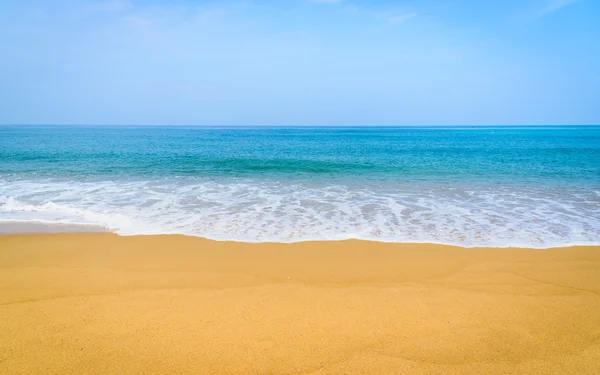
(503,186)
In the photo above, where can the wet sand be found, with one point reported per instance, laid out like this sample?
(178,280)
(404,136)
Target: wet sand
(100,303)
(29,227)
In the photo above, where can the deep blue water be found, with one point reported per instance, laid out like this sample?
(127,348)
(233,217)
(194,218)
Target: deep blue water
(545,155)
(497,186)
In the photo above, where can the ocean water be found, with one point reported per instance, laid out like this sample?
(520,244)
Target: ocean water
(468,186)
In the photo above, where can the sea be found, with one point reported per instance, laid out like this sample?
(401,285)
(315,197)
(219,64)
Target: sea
(536,187)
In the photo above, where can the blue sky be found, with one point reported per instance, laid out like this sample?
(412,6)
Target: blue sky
(300,62)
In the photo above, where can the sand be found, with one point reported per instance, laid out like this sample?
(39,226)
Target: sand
(100,303)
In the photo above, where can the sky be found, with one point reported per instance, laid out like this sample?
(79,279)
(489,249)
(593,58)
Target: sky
(300,62)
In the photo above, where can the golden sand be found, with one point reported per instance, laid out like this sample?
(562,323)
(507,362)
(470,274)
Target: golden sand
(99,303)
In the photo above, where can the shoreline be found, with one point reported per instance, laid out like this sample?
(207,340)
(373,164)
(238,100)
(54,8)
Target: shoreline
(33,228)
(103,303)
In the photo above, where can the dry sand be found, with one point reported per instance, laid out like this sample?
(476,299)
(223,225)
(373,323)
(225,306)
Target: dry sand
(99,303)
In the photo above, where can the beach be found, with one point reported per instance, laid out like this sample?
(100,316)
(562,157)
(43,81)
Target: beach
(299,187)
(101,303)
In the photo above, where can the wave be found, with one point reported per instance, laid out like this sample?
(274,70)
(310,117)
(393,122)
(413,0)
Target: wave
(278,211)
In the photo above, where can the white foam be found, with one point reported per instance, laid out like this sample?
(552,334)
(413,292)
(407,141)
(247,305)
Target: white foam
(261,210)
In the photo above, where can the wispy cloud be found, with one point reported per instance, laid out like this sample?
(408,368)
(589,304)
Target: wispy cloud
(137,22)
(100,8)
(109,6)
(553,6)
(400,18)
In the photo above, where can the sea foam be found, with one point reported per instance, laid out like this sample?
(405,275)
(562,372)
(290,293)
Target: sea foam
(260,210)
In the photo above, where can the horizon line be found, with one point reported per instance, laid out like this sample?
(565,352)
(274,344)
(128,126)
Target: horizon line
(301,126)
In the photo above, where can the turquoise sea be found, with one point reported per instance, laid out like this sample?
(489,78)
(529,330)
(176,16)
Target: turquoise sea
(468,186)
